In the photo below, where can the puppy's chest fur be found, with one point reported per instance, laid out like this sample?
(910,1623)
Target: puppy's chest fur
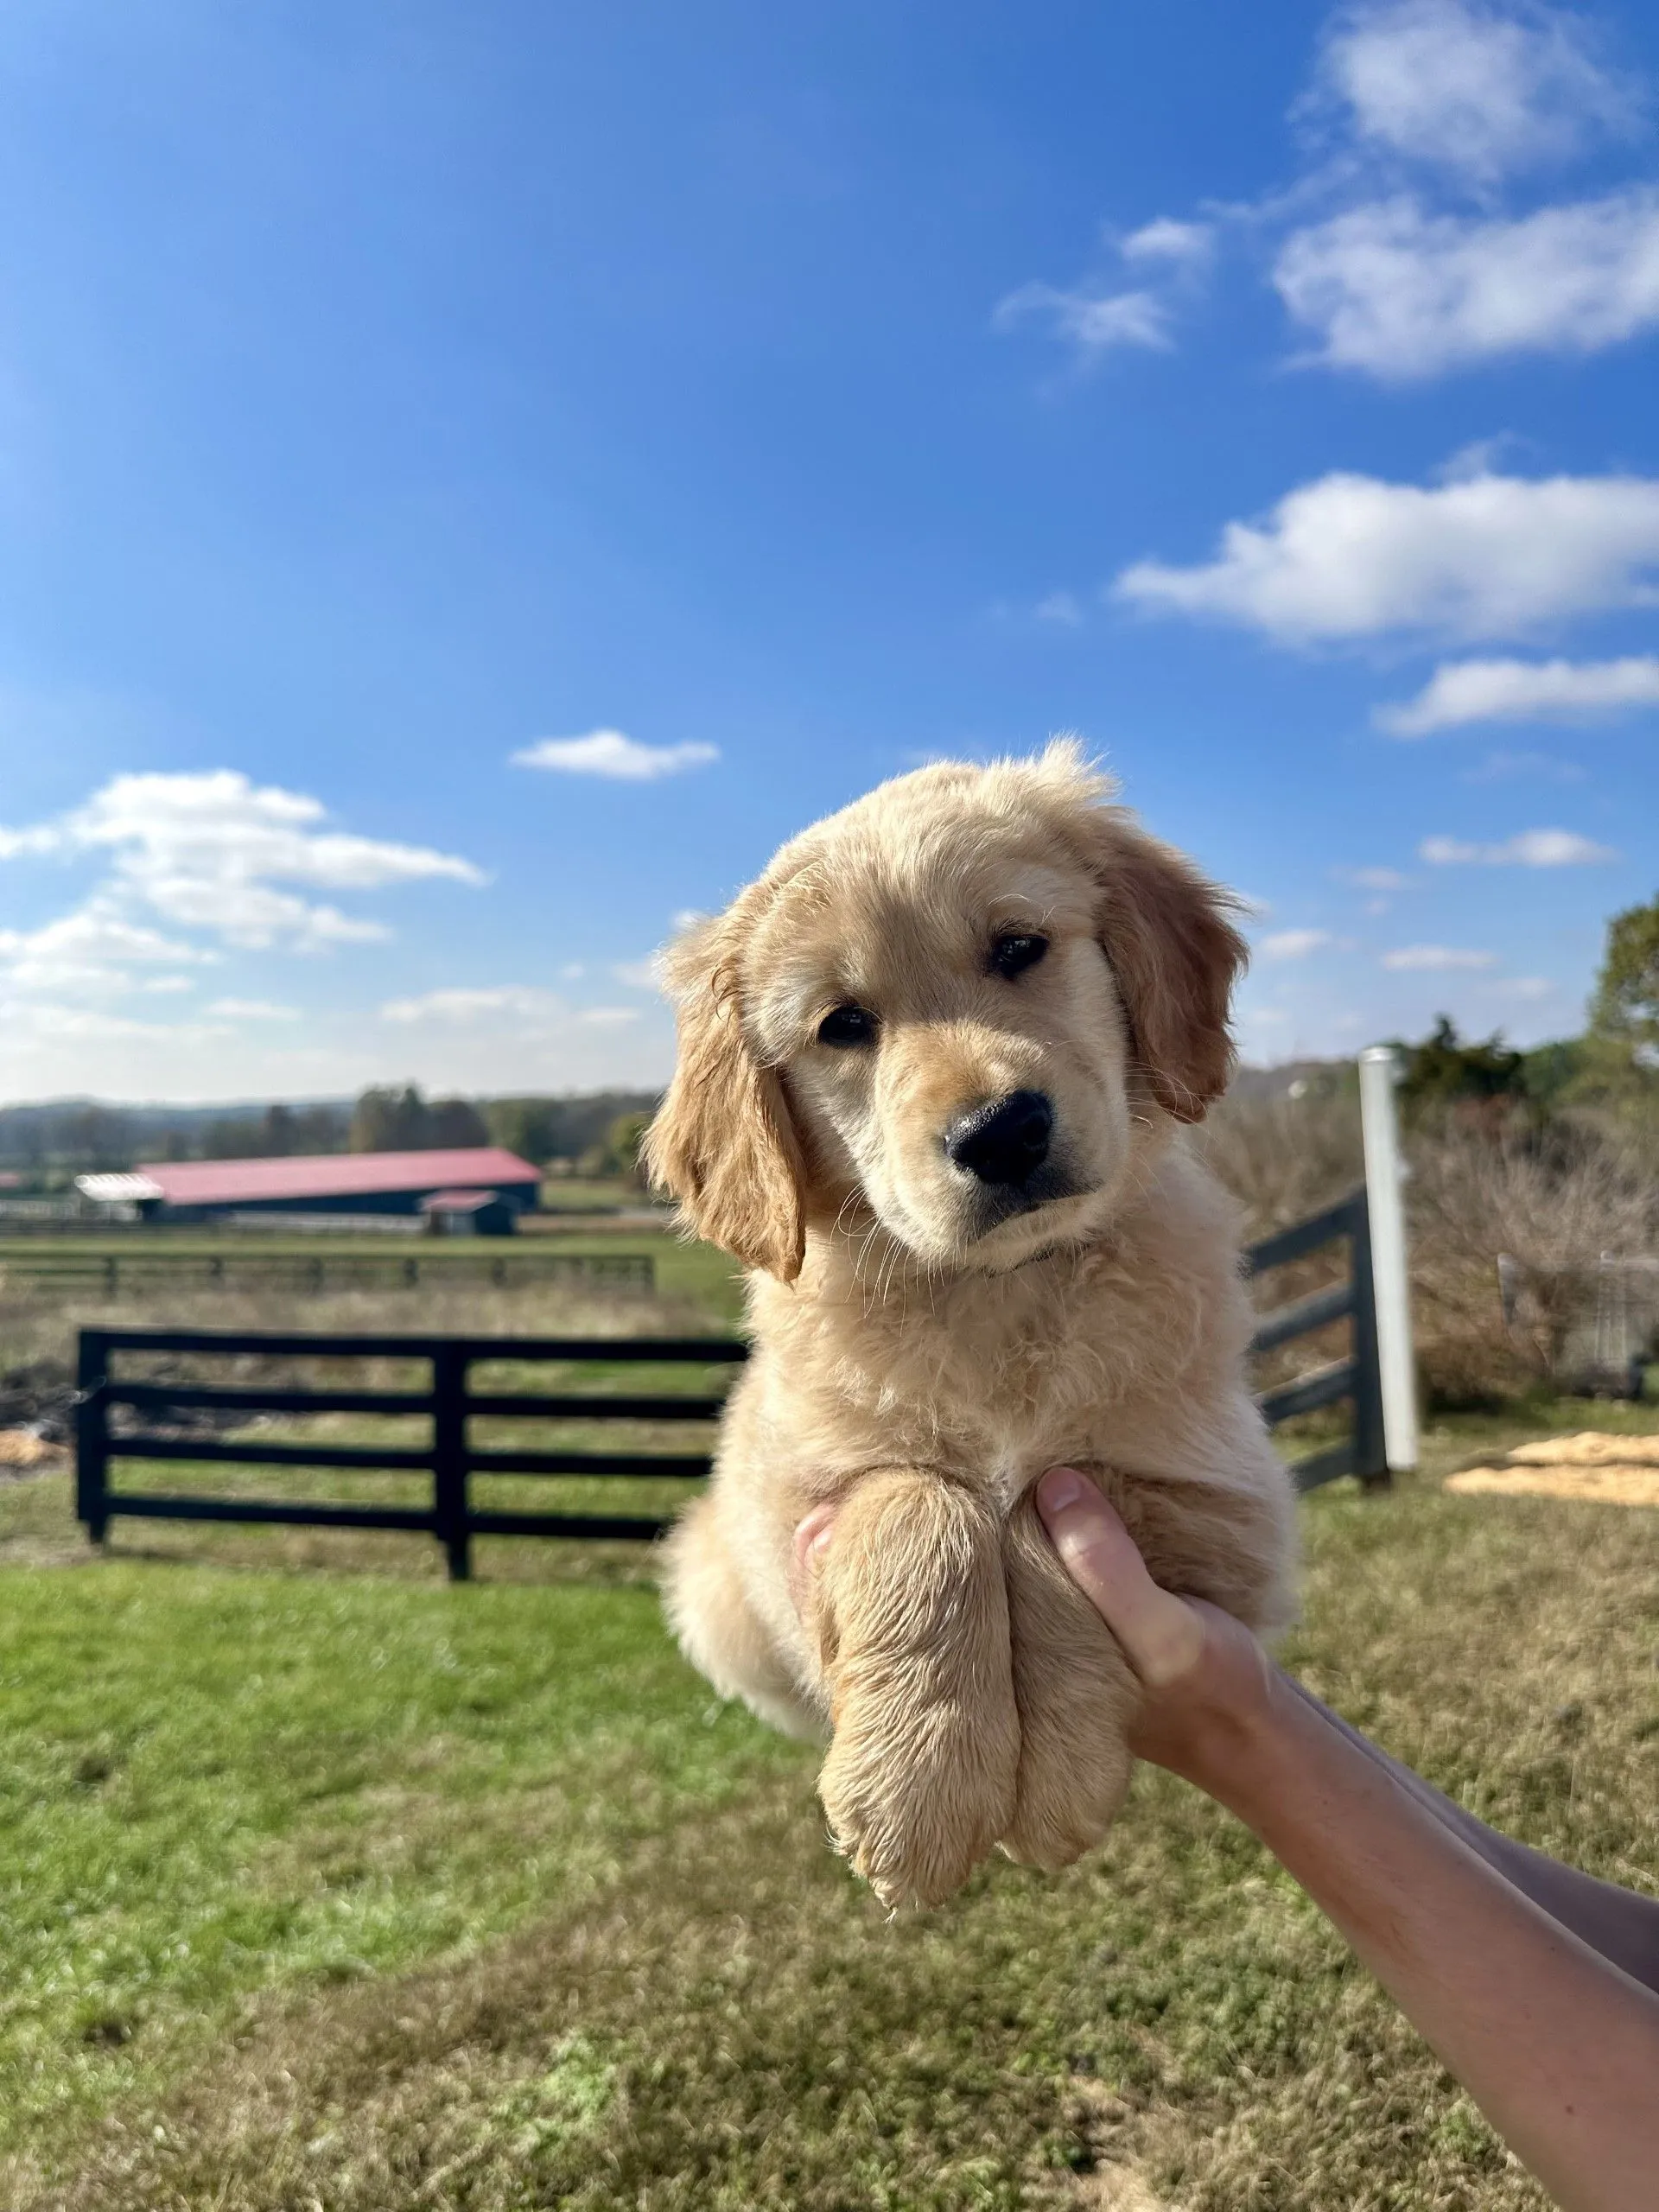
(1127,1352)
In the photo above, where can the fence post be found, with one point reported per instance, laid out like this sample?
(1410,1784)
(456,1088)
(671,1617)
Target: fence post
(1370,1427)
(1384,1175)
(92,1436)
(450,1459)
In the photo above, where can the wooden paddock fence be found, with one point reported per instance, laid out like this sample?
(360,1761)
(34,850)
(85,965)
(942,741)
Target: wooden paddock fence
(449,1403)
(127,1274)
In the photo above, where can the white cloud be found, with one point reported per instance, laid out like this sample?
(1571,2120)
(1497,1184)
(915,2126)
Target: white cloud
(90,949)
(522,1001)
(1528,988)
(252,1010)
(1479,90)
(1434,957)
(1519,690)
(1392,248)
(1353,556)
(1293,944)
(608,753)
(207,850)
(1185,244)
(1095,322)
(1532,848)
(608,1017)
(1390,288)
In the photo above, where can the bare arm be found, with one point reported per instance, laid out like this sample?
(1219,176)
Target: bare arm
(1556,2042)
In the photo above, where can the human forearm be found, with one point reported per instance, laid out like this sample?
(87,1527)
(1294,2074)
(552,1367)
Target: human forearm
(1558,2047)
(1620,1924)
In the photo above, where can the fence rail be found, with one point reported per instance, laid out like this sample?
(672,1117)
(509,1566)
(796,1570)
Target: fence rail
(450,1402)
(123,1274)
(1357,1378)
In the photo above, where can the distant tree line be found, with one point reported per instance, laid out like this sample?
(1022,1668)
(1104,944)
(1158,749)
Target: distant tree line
(43,1147)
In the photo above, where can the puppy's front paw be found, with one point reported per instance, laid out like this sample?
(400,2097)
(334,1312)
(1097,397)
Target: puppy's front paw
(919,1782)
(919,1792)
(1076,1695)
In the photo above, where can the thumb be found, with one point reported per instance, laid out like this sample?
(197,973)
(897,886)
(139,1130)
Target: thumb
(1162,1635)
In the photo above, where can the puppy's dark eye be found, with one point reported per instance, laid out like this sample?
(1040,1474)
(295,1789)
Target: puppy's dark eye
(848,1025)
(1015,951)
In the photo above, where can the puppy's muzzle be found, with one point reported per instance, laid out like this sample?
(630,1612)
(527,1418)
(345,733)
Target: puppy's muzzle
(1005,1143)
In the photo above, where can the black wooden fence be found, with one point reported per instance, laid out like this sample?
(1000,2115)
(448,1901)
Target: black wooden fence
(449,1404)
(1359,1377)
(142,1272)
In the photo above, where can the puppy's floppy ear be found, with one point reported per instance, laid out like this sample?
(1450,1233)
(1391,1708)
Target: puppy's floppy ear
(1169,934)
(722,1142)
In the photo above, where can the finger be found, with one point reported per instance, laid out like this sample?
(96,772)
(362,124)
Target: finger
(1161,1634)
(806,1554)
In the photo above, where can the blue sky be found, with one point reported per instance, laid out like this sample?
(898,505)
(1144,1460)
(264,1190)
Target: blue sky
(473,479)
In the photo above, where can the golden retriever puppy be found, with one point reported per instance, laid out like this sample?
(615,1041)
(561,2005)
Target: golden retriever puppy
(933,1070)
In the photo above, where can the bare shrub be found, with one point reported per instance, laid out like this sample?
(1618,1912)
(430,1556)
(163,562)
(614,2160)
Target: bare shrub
(1285,1154)
(1552,1200)
(1554,1205)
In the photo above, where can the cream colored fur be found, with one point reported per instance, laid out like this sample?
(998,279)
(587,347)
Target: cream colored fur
(921,1363)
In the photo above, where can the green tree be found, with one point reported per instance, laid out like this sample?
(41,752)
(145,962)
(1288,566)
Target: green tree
(1620,1051)
(1447,1071)
(620,1151)
(455,1123)
(1625,1008)
(390,1120)
(530,1126)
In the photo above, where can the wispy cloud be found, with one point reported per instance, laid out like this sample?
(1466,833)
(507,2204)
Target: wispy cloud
(1372,879)
(1503,767)
(529,1009)
(1391,249)
(1430,958)
(1293,944)
(608,753)
(1350,556)
(1061,606)
(1092,322)
(1184,245)
(637,975)
(252,1010)
(1467,691)
(1532,848)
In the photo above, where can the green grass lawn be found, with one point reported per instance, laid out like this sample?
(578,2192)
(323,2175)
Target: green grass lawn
(349,1889)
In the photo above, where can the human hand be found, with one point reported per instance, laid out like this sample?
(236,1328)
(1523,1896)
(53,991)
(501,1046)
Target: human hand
(1208,1686)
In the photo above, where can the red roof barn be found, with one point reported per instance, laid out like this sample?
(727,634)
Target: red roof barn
(344,1183)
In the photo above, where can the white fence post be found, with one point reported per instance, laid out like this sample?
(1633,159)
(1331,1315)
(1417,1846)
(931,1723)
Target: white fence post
(1384,1173)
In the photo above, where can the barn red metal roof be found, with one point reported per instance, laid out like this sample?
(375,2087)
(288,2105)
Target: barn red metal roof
(331,1175)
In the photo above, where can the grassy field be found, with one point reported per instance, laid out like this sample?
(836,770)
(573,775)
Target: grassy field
(351,1891)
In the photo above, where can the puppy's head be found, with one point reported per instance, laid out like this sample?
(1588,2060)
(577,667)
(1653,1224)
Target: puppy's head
(966,1005)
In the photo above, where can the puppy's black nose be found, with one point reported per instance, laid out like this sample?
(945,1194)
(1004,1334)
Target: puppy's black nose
(1005,1142)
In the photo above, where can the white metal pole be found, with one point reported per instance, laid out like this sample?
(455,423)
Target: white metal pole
(1384,1174)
